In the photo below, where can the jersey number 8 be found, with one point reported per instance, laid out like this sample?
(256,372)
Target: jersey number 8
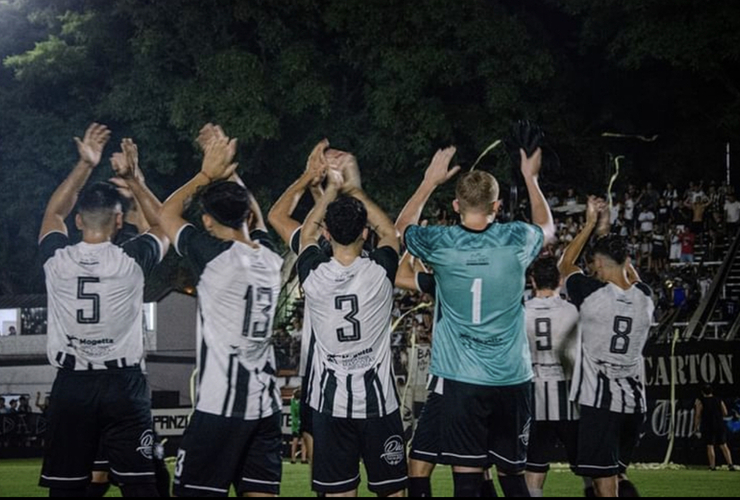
(621,341)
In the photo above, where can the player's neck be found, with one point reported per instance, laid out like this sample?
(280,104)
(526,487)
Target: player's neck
(546,294)
(96,237)
(228,234)
(477,221)
(618,277)
(346,255)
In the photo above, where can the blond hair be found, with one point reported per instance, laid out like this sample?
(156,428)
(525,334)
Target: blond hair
(477,191)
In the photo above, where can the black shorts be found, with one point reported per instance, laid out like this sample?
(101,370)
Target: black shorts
(340,444)
(425,445)
(111,409)
(607,442)
(543,441)
(306,418)
(218,452)
(714,435)
(486,426)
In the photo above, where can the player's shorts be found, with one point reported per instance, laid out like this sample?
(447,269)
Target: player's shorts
(543,441)
(714,435)
(306,418)
(486,426)
(607,442)
(93,408)
(340,444)
(425,445)
(217,452)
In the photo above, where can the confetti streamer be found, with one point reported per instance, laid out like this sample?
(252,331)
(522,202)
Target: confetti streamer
(625,136)
(486,152)
(617,161)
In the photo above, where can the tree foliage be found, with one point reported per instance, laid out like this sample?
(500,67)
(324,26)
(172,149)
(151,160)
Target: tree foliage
(390,80)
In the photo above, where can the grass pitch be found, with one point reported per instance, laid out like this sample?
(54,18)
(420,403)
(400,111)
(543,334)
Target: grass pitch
(18,478)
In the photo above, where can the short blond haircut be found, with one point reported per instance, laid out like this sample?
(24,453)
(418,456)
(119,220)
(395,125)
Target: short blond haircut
(477,191)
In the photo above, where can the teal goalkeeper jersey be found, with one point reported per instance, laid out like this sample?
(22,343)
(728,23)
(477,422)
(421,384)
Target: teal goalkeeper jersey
(480,335)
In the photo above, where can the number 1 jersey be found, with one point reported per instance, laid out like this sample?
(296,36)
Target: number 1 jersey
(350,364)
(480,335)
(238,290)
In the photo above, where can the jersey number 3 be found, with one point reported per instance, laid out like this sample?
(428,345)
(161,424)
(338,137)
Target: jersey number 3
(353,334)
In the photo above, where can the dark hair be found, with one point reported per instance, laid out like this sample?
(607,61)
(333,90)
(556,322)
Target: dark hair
(100,197)
(613,247)
(707,390)
(346,218)
(546,274)
(227,202)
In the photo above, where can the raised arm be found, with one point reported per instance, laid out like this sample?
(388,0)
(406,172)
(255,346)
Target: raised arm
(217,165)
(568,263)
(64,199)
(541,213)
(437,174)
(406,276)
(280,216)
(126,166)
(311,231)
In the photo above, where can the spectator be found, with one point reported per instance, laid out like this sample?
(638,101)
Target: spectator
(13,407)
(4,410)
(675,238)
(629,211)
(671,196)
(664,212)
(688,243)
(732,212)
(710,426)
(43,407)
(12,331)
(647,221)
(295,413)
(23,405)
(659,254)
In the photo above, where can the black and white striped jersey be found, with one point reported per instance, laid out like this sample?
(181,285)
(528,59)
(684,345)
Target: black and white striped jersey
(350,365)
(238,292)
(96,298)
(615,326)
(552,330)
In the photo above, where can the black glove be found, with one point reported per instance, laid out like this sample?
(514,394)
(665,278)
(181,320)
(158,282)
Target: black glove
(524,135)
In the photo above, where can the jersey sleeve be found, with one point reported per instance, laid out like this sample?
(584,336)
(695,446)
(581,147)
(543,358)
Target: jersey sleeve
(580,287)
(310,260)
(426,283)
(128,232)
(387,258)
(295,243)
(199,247)
(532,239)
(51,243)
(421,241)
(146,250)
(264,239)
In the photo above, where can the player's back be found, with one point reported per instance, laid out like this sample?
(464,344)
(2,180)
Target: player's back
(552,330)
(95,296)
(615,326)
(480,335)
(349,310)
(238,291)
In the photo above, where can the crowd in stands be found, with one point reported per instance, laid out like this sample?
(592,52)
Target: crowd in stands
(677,238)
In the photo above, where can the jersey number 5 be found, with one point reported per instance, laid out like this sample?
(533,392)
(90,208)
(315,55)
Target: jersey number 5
(92,297)
(346,334)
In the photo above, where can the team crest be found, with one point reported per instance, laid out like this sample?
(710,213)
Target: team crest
(524,436)
(146,445)
(394,451)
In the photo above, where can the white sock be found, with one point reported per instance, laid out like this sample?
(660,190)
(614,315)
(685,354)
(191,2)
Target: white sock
(536,493)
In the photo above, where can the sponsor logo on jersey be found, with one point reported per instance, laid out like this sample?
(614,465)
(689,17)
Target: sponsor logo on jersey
(394,451)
